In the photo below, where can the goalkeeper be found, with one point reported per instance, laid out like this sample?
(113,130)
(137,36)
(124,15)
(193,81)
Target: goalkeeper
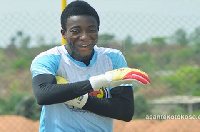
(80,86)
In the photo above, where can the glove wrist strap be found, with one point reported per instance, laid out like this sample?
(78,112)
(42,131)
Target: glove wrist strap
(98,82)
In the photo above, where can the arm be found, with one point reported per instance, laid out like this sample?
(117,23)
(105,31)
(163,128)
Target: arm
(121,102)
(47,91)
(120,106)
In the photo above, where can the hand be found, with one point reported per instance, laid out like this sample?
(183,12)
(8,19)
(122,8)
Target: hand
(127,76)
(78,102)
(119,76)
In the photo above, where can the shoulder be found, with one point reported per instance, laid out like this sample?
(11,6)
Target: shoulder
(116,56)
(47,62)
(53,52)
(103,50)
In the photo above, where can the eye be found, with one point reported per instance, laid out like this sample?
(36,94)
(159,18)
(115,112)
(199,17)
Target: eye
(93,30)
(74,31)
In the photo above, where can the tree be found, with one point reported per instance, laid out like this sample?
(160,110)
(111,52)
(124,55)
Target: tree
(142,108)
(128,41)
(25,42)
(127,44)
(195,36)
(28,107)
(158,40)
(105,39)
(180,37)
(11,49)
(22,40)
(186,80)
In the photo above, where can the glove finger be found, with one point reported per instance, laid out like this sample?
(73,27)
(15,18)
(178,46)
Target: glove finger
(137,75)
(119,82)
(138,78)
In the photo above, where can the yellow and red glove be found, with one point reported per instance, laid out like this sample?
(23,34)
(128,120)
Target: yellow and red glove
(119,76)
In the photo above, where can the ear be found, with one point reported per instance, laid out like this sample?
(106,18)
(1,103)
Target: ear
(63,33)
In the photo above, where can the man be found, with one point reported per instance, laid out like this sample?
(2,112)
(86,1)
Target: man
(94,92)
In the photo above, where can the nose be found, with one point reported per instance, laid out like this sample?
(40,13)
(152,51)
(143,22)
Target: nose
(84,36)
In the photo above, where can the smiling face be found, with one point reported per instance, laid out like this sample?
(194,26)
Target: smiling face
(81,35)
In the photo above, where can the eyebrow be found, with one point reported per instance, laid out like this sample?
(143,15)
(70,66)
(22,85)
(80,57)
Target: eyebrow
(80,26)
(75,27)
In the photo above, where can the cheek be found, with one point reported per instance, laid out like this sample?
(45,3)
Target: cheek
(95,38)
(68,39)
(71,39)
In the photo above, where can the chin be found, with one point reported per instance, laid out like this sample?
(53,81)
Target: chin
(85,53)
(85,56)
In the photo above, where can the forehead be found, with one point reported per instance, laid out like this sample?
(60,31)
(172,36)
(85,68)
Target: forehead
(81,20)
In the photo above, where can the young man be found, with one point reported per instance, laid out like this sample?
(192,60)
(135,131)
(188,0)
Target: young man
(94,92)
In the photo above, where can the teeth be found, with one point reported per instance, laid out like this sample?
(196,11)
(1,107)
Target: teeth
(84,45)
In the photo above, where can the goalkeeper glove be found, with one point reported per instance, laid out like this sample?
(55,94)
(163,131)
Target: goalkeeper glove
(78,102)
(117,77)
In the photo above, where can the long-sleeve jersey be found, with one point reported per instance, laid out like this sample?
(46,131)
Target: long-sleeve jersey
(97,114)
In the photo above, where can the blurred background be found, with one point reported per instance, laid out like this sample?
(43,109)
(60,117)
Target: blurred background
(161,37)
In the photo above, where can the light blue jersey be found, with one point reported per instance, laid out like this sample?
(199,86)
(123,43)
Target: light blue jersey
(65,118)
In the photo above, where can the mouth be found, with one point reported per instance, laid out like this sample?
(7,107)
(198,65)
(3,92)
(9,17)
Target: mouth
(85,45)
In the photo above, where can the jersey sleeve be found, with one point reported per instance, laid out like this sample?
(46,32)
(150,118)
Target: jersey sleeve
(45,63)
(117,58)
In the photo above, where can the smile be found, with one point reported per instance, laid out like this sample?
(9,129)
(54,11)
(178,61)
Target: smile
(84,45)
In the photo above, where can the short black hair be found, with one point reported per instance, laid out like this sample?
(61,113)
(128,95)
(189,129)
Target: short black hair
(75,8)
